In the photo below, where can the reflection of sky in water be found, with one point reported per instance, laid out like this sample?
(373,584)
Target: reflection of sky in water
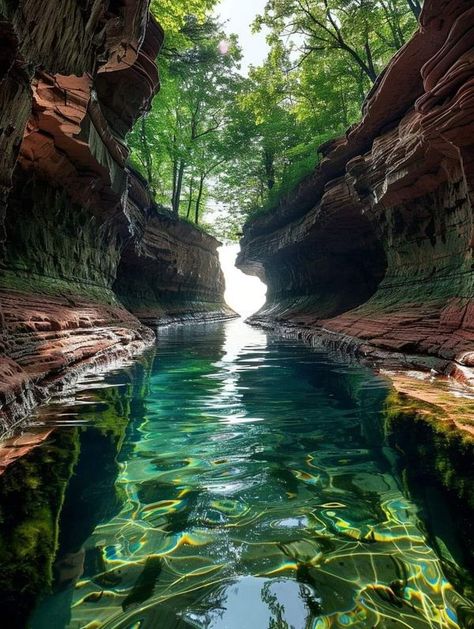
(227,404)
(255,488)
(255,602)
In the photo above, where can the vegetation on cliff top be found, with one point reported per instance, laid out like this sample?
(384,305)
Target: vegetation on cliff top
(237,145)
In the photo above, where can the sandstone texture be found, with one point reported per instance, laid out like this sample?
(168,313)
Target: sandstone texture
(374,250)
(88,263)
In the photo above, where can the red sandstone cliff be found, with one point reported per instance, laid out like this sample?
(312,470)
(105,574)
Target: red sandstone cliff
(375,248)
(81,239)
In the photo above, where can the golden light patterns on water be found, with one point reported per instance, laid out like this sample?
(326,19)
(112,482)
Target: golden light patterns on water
(255,491)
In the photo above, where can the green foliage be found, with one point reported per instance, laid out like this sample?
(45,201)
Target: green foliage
(173,17)
(230,146)
(365,32)
(182,142)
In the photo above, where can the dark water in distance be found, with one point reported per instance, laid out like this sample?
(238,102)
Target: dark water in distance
(235,480)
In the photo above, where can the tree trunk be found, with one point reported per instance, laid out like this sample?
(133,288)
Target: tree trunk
(179,185)
(190,199)
(199,198)
(175,177)
(372,72)
(392,20)
(415,7)
(269,168)
(344,111)
(147,158)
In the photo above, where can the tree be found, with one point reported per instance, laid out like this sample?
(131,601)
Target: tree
(178,145)
(217,141)
(365,31)
(415,7)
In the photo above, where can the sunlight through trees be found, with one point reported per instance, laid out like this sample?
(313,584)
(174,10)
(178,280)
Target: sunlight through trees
(238,145)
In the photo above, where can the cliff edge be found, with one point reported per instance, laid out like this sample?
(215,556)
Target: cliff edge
(88,263)
(373,251)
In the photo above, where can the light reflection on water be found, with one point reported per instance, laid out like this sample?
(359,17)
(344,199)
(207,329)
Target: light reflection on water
(254,491)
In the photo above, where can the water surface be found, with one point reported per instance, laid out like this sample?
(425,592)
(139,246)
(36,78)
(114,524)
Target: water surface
(230,480)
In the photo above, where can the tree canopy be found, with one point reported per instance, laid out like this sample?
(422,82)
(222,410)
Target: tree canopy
(223,145)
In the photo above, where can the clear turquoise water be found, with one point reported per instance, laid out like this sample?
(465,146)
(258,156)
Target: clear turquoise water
(238,481)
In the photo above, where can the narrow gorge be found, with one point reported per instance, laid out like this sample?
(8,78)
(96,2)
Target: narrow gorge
(162,462)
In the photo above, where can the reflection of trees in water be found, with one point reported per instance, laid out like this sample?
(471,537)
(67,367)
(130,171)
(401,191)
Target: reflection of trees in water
(89,495)
(145,584)
(277,609)
(92,496)
(435,460)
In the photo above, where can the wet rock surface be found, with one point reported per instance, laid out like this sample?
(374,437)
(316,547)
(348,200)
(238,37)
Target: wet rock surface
(86,257)
(374,250)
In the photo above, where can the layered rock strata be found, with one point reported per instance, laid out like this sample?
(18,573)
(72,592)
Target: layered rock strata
(169,270)
(374,249)
(86,256)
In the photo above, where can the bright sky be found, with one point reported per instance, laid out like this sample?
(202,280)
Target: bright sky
(245,294)
(239,15)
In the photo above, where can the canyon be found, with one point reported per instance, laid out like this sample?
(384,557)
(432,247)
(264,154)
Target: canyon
(89,265)
(175,464)
(371,255)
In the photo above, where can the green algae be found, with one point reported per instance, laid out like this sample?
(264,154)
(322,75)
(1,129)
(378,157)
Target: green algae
(35,283)
(436,459)
(31,497)
(444,449)
(57,239)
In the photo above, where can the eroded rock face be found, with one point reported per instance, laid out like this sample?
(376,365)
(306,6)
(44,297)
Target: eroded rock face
(177,288)
(376,246)
(81,239)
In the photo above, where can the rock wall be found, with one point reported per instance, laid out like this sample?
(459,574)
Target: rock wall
(375,247)
(187,281)
(80,237)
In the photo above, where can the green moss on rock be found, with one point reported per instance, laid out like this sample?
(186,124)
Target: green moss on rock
(31,496)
